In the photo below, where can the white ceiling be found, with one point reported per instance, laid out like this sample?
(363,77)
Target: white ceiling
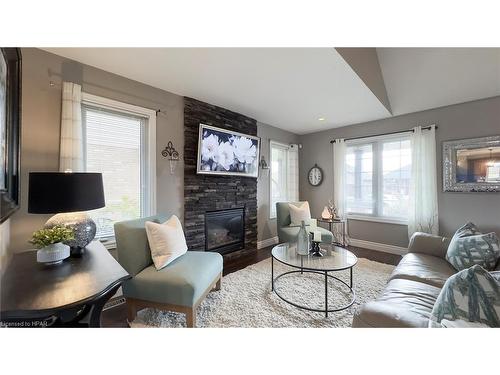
(292,87)
(422,78)
(286,87)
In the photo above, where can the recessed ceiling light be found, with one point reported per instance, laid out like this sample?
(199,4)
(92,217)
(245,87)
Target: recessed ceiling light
(321,119)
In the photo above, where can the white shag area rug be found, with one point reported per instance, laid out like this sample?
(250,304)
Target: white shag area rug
(246,299)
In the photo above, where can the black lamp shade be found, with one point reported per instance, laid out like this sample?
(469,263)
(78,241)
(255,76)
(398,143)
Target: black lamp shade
(58,192)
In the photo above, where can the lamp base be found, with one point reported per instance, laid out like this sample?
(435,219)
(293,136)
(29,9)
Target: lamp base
(83,226)
(76,252)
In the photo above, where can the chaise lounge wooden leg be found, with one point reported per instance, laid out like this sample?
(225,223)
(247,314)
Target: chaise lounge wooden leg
(218,283)
(131,310)
(191,318)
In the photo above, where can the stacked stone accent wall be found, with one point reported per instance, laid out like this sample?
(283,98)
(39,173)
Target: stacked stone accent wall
(204,193)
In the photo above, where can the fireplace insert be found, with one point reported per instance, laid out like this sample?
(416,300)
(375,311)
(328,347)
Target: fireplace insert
(225,230)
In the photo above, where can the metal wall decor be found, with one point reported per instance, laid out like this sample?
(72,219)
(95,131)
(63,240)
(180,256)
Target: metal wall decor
(263,163)
(172,154)
(472,165)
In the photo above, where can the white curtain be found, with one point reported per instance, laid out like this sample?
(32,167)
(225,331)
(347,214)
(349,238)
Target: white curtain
(293,173)
(423,206)
(339,153)
(71,147)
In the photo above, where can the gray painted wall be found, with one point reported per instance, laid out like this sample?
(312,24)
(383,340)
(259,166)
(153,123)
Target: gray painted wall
(467,120)
(267,133)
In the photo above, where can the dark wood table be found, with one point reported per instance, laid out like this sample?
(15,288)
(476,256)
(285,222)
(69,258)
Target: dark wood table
(69,294)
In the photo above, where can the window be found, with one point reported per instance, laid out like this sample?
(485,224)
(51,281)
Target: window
(493,172)
(119,143)
(378,175)
(284,183)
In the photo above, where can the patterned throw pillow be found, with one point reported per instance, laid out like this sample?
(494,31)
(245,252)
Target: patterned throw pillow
(471,295)
(468,229)
(469,247)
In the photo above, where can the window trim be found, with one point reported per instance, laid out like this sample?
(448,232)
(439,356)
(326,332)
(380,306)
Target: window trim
(377,219)
(376,141)
(150,154)
(284,146)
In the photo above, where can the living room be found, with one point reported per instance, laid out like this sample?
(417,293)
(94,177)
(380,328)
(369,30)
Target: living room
(262,187)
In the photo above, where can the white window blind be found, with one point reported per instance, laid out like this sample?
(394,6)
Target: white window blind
(378,173)
(284,175)
(115,145)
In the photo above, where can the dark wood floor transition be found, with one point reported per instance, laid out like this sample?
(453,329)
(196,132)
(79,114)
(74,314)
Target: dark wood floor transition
(117,316)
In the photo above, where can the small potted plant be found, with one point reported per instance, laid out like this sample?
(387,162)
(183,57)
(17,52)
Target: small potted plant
(49,241)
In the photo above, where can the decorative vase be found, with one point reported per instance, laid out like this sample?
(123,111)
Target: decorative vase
(53,254)
(326,214)
(303,240)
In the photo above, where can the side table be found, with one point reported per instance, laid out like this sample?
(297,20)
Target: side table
(331,223)
(71,294)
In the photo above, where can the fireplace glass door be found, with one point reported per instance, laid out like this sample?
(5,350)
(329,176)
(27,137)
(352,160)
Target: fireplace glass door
(224,230)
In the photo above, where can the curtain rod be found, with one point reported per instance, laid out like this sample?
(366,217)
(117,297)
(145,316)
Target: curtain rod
(380,135)
(59,84)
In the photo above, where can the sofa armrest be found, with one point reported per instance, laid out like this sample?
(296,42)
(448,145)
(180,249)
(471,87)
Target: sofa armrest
(429,244)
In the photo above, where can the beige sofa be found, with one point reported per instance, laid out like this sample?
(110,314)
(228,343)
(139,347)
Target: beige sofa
(413,287)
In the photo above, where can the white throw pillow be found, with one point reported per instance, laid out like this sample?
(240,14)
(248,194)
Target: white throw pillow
(166,241)
(297,214)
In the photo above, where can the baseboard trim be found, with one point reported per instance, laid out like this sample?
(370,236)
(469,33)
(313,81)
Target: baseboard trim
(268,242)
(378,246)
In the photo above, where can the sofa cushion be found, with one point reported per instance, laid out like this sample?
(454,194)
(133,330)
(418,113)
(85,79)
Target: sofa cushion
(403,304)
(472,295)
(181,282)
(425,243)
(424,268)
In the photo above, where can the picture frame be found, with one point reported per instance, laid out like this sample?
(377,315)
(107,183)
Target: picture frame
(214,146)
(467,164)
(10,129)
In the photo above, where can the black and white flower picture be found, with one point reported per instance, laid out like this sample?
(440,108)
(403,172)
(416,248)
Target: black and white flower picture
(225,152)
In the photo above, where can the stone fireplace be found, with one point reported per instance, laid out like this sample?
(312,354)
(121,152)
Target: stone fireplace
(207,198)
(225,230)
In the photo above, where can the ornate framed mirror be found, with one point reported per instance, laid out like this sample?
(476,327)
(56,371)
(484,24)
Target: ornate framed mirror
(472,165)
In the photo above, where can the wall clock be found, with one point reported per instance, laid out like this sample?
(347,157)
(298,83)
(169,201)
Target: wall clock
(315,175)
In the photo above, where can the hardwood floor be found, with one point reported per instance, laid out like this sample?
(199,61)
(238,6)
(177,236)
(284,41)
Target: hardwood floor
(117,316)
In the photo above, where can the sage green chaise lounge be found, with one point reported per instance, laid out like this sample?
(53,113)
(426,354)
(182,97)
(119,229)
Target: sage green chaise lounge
(180,286)
(286,233)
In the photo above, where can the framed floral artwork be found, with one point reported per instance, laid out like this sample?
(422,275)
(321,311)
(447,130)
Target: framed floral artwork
(225,152)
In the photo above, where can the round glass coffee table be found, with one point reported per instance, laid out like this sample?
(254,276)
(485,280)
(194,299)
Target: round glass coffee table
(334,258)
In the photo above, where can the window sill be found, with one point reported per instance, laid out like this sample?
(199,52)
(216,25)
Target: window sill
(108,242)
(377,219)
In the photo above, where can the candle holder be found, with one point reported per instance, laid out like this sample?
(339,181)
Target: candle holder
(315,249)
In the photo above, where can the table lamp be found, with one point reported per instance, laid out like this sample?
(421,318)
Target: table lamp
(67,195)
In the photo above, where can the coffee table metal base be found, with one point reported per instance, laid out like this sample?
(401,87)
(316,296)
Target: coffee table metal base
(326,310)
